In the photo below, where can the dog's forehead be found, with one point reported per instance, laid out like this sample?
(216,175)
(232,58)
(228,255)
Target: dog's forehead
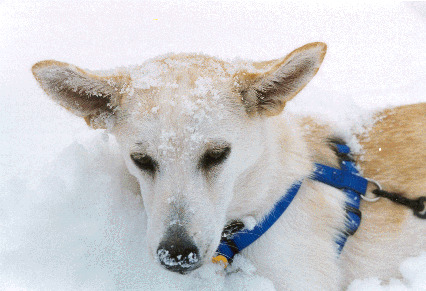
(178,102)
(178,69)
(184,88)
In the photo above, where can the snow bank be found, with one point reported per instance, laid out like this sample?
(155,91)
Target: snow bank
(413,271)
(70,218)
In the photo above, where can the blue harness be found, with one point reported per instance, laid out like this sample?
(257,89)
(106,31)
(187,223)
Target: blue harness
(345,178)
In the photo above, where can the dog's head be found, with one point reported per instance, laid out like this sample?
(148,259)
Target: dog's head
(193,130)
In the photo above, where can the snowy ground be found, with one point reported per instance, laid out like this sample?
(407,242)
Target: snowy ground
(69,219)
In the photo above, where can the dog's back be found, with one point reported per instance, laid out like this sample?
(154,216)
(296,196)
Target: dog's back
(393,153)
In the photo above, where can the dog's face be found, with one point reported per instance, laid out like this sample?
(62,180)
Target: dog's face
(191,129)
(186,142)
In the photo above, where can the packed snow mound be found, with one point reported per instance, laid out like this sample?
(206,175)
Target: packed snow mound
(413,271)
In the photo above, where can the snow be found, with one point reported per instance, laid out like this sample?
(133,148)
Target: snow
(70,218)
(249,222)
(187,262)
(413,271)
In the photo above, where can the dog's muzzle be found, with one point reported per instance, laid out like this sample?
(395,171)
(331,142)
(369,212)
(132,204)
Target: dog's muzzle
(177,251)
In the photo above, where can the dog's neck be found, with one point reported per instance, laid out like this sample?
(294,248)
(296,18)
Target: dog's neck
(286,159)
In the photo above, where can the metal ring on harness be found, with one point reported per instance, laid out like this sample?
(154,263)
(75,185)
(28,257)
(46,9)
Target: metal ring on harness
(378,186)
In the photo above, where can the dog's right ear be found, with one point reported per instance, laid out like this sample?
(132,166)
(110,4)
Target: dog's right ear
(86,95)
(266,93)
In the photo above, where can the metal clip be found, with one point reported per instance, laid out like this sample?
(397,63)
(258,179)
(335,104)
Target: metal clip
(378,186)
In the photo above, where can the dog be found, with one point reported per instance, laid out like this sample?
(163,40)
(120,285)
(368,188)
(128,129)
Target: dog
(210,143)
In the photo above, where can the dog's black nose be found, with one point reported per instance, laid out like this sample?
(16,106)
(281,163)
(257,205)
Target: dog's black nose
(177,251)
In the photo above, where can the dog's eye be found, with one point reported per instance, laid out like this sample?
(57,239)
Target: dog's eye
(214,157)
(144,162)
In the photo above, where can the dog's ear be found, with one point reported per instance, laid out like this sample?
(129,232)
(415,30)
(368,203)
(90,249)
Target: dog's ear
(266,93)
(86,95)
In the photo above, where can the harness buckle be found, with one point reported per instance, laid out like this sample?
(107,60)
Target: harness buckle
(378,186)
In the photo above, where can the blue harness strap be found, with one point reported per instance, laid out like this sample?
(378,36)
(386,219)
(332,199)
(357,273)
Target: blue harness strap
(239,241)
(341,179)
(345,178)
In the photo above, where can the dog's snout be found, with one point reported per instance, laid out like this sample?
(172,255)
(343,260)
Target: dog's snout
(177,251)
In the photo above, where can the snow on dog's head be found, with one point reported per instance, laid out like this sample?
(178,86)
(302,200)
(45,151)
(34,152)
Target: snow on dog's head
(194,131)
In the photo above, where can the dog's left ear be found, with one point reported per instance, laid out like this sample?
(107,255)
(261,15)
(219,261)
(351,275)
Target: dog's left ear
(267,93)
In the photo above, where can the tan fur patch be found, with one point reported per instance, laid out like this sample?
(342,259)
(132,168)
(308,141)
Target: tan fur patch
(395,156)
(395,149)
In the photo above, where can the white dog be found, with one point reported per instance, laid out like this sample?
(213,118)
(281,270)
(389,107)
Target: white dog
(210,148)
